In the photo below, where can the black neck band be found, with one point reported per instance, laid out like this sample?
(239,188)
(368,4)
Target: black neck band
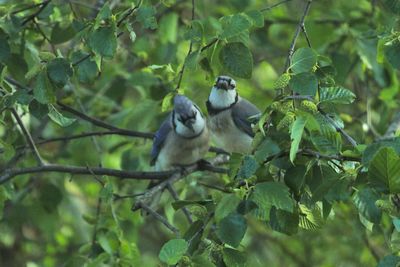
(214,111)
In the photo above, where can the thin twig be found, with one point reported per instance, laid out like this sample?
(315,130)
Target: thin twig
(274,5)
(28,7)
(94,133)
(303,28)
(127,14)
(44,35)
(160,218)
(28,137)
(34,15)
(211,43)
(102,124)
(343,132)
(175,196)
(211,186)
(149,194)
(296,35)
(180,75)
(98,209)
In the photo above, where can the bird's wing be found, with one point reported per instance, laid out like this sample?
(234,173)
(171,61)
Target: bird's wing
(241,113)
(160,137)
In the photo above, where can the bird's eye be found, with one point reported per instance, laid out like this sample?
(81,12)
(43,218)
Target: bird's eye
(194,114)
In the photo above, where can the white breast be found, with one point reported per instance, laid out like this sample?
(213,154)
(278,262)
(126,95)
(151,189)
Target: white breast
(178,151)
(226,135)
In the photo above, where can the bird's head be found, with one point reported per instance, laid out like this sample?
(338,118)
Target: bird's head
(187,118)
(223,93)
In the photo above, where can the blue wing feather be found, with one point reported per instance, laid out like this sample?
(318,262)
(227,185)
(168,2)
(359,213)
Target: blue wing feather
(160,137)
(241,112)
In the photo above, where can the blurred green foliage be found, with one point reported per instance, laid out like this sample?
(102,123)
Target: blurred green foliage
(306,196)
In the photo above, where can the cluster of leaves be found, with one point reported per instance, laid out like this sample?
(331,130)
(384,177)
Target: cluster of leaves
(304,171)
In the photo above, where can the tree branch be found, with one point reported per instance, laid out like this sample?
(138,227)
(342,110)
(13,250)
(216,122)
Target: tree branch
(160,218)
(149,194)
(175,196)
(95,133)
(127,14)
(102,124)
(274,5)
(34,15)
(8,174)
(296,35)
(180,75)
(29,7)
(345,135)
(28,137)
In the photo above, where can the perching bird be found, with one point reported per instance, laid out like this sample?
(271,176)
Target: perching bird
(183,138)
(229,116)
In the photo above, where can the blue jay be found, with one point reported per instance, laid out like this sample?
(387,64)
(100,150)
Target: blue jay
(229,116)
(183,138)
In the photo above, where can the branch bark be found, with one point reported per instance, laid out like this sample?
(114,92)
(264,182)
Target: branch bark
(137,175)
(28,137)
(102,124)
(296,35)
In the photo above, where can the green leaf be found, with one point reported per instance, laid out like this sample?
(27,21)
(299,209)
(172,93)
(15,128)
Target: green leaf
(327,142)
(392,53)
(106,193)
(294,178)
(310,219)
(86,70)
(236,58)
(5,51)
(234,258)
(256,17)
(145,15)
(295,136)
(303,60)
(17,66)
(225,206)
(371,150)
(167,102)
(392,6)
(108,241)
(195,32)
(276,194)
(103,41)
(168,28)
(172,251)
(4,195)
(248,168)
(50,197)
(267,148)
(384,170)
(192,60)
(232,228)
(60,34)
(104,13)
(59,71)
(365,200)
(43,90)
(305,83)
(234,25)
(38,110)
(336,95)
(283,221)
(59,118)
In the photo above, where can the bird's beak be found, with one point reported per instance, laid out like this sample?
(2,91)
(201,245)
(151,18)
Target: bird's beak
(189,124)
(222,84)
